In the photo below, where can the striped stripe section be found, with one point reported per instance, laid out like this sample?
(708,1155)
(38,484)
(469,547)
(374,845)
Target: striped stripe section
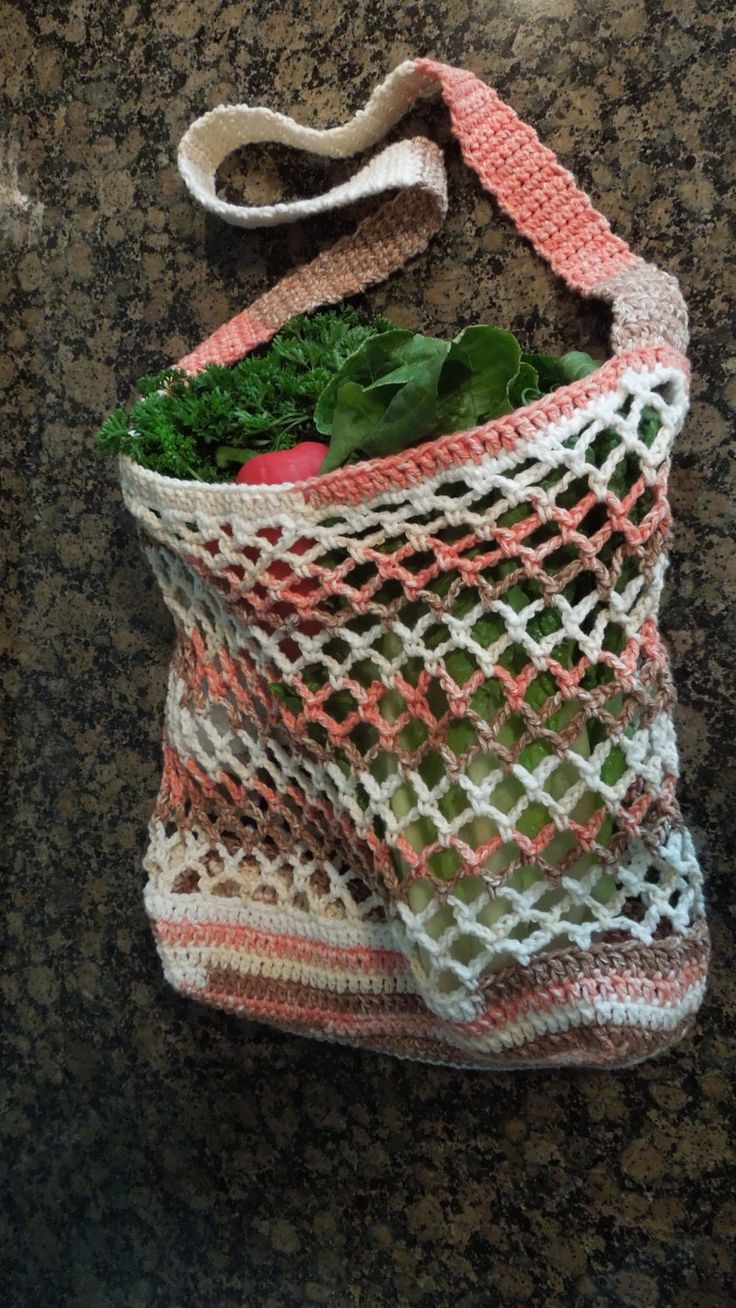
(616,1003)
(572,1033)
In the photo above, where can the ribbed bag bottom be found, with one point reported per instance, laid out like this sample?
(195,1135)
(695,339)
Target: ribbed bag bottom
(611,1005)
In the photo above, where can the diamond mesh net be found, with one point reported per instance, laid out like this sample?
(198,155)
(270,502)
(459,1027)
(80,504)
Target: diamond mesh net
(446,704)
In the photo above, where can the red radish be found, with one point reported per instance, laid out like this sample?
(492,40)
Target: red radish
(273,469)
(214,545)
(297,464)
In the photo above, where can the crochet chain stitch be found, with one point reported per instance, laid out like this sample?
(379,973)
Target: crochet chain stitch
(454,834)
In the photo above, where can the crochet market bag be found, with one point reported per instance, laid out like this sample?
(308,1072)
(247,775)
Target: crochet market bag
(321,858)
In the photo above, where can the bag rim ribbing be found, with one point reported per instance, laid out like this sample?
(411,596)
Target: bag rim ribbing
(410,466)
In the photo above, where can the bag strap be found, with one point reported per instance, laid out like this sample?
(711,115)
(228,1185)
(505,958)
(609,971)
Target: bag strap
(531,186)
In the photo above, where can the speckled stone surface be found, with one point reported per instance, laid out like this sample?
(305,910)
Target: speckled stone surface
(159,1154)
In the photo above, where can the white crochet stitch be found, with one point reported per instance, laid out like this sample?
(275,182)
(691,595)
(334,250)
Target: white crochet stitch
(482,930)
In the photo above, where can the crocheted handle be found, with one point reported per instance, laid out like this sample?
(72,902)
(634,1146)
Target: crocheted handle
(529,183)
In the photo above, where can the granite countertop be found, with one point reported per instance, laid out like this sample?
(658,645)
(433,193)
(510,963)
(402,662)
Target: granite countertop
(162,1154)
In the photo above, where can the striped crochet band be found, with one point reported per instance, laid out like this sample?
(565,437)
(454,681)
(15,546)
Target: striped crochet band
(530,185)
(615,1002)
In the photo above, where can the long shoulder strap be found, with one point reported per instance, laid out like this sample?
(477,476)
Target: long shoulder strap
(529,183)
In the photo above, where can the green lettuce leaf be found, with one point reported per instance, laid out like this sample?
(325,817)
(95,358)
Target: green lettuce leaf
(400,388)
(480,367)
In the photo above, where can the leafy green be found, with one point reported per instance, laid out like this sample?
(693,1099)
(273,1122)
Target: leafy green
(481,365)
(554,372)
(383,398)
(524,388)
(373,389)
(401,388)
(575,365)
(204,427)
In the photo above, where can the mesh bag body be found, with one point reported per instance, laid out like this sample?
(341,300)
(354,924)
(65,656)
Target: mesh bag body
(419,761)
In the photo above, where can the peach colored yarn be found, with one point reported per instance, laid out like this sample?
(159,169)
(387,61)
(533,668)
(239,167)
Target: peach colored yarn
(286,880)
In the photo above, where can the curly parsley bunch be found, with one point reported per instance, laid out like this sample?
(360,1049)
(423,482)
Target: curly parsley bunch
(203,428)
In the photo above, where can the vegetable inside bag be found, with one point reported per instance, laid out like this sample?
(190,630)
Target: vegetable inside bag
(419,781)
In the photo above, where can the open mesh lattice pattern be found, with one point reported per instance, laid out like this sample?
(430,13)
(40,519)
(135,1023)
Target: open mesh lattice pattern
(445,706)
